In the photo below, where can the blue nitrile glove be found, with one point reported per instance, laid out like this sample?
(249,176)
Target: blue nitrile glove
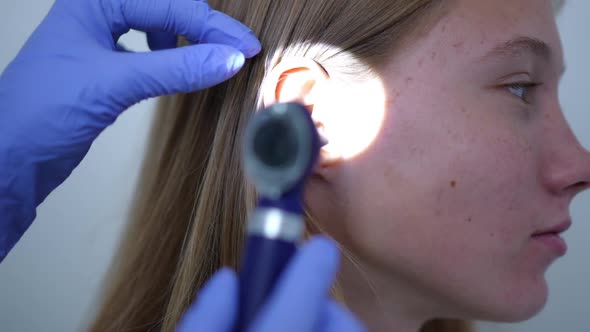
(69,82)
(300,302)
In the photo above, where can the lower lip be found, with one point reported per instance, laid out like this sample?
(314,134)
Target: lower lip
(552,241)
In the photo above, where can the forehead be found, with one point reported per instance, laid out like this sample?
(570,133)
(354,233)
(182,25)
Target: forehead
(489,24)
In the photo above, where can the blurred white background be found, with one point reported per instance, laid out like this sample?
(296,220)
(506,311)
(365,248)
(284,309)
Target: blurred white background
(50,279)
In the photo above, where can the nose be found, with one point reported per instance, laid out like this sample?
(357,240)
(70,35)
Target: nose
(567,170)
(580,174)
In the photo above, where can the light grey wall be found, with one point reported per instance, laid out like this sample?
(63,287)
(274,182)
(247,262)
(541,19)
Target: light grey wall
(50,279)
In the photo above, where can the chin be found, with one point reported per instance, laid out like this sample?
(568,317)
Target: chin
(515,305)
(521,306)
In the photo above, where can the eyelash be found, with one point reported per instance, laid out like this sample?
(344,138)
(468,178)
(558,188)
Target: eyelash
(530,86)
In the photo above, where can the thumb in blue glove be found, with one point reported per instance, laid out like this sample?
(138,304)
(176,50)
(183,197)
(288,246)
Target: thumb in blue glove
(300,302)
(70,81)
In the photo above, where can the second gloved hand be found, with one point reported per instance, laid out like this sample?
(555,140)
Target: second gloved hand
(70,81)
(299,303)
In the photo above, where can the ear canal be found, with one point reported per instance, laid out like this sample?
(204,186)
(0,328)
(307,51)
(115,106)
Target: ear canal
(320,128)
(306,90)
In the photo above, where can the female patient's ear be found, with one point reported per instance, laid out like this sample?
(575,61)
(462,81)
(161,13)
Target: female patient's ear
(294,80)
(349,113)
(304,81)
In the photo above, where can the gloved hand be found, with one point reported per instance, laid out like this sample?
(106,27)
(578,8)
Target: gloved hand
(70,81)
(300,302)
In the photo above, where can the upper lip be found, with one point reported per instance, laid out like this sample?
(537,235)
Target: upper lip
(555,229)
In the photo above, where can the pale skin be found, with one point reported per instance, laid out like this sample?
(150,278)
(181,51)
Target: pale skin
(439,210)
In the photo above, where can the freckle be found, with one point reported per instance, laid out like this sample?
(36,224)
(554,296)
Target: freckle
(409,80)
(492,234)
(469,219)
(433,55)
(463,109)
(453,183)
(547,116)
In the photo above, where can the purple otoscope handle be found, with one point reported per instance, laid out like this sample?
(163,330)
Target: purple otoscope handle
(264,261)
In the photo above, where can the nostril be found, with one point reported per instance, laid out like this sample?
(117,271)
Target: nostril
(580,186)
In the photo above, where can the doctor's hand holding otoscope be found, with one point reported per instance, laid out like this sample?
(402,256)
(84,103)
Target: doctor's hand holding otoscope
(71,80)
(281,146)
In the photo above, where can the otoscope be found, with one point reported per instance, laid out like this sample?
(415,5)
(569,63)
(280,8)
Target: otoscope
(281,146)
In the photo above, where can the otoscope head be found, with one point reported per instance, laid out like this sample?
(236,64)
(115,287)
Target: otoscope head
(281,146)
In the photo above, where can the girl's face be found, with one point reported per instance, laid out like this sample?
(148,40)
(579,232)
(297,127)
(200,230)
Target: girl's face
(471,160)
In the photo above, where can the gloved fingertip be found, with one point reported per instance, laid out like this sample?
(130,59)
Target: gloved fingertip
(250,45)
(324,248)
(224,277)
(216,305)
(235,62)
(222,64)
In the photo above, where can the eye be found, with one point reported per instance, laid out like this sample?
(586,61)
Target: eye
(522,90)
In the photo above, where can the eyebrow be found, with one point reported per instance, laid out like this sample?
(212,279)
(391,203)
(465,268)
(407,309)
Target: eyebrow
(519,45)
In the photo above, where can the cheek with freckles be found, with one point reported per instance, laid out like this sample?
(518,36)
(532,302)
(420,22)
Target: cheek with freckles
(481,210)
(452,212)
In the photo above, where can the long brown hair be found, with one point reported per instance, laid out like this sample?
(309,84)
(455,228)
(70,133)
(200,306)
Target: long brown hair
(191,205)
